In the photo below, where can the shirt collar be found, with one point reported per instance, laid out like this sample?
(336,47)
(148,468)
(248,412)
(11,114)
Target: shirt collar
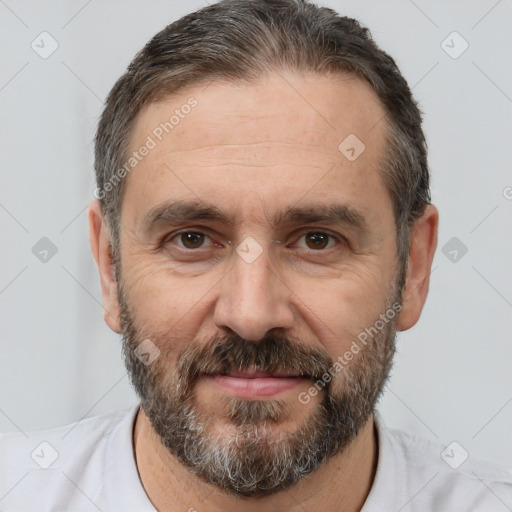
(383,489)
(124,491)
(123,488)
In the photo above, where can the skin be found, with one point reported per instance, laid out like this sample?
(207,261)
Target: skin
(253,150)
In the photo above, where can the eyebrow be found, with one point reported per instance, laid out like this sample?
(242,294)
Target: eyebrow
(320,213)
(177,212)
(182,211)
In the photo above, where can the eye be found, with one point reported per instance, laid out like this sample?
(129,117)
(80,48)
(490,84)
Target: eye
(317,240)
(190,239)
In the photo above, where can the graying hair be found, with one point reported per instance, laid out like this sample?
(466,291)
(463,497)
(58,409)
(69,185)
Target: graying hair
(241,40)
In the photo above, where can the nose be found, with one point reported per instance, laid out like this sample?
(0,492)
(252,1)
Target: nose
(253,299)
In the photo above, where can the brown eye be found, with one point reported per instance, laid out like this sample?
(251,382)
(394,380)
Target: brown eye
(316,240)
(191,240)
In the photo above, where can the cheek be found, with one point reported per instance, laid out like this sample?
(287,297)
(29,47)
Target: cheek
(341,308)
(166,307)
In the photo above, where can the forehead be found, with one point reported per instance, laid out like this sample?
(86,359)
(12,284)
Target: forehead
(276,140)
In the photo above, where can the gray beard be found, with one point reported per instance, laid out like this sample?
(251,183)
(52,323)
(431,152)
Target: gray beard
(251,458)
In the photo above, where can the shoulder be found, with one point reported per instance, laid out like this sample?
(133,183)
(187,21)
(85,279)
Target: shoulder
(54,462)
(44,447)
(451,457)
(441,477)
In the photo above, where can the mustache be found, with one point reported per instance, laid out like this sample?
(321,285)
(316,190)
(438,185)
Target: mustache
(224,354)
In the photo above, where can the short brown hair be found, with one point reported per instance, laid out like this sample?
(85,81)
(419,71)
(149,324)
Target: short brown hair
(242,40)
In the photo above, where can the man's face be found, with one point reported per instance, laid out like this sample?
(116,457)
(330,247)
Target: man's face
(246,290)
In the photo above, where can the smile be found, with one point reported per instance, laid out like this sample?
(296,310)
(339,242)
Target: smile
(256,384)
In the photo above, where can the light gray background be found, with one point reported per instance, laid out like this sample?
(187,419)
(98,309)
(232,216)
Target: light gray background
(59,362)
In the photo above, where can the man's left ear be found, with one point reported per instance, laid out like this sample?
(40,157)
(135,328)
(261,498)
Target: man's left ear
(423,243)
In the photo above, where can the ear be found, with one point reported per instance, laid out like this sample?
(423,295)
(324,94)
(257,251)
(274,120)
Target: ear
(423,243)
(101,251)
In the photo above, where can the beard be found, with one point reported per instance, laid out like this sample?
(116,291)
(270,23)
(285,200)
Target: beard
(252,456)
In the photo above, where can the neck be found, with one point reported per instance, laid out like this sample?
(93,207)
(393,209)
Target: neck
(342,483)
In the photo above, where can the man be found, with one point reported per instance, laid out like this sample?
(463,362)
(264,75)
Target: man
(262,230)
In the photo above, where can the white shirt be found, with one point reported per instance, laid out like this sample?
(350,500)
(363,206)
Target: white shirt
(90,466)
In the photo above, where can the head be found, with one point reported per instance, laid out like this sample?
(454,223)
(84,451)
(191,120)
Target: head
(264,211)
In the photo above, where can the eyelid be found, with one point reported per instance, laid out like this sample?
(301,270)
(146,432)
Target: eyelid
(336,237)
(303,231)
(171,236)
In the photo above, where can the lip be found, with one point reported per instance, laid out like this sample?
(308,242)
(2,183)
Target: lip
(253,384)
(253,374)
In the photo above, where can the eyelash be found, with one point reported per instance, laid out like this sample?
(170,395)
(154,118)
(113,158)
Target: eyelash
(170,238)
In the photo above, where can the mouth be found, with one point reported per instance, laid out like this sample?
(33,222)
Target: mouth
(255,384)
